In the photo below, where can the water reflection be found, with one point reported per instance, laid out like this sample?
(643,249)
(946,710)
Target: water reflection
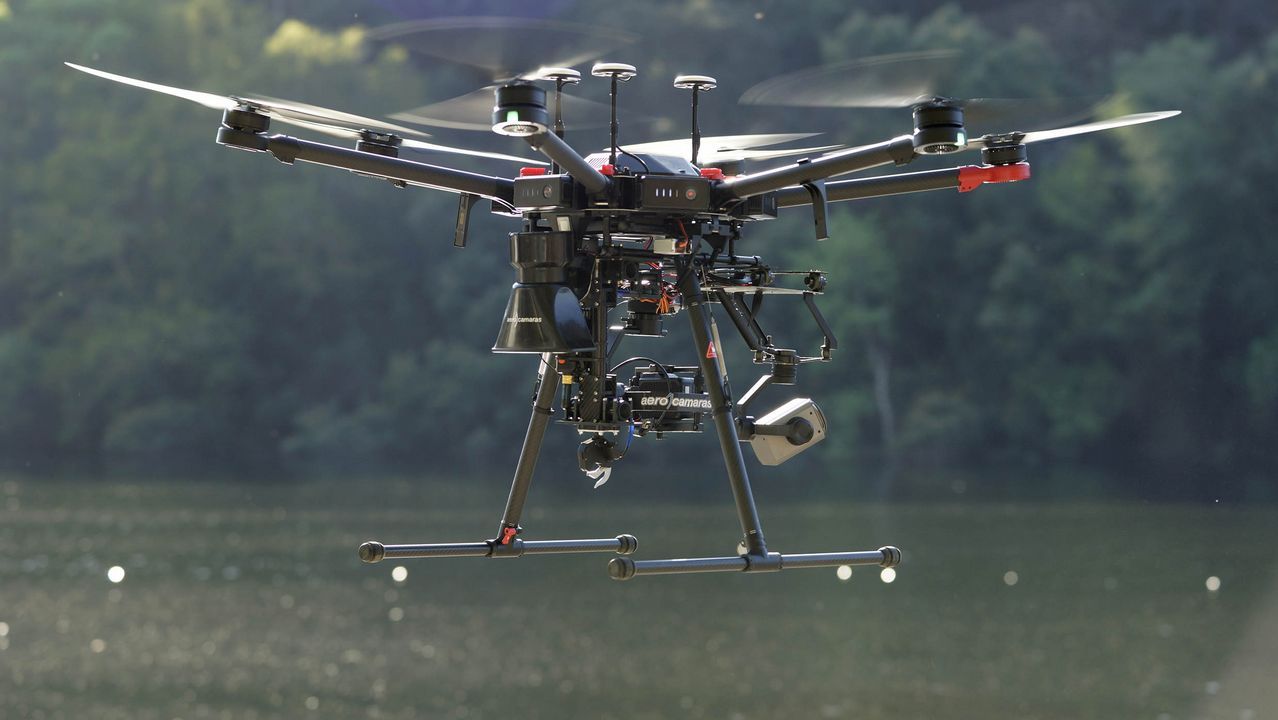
(208,627)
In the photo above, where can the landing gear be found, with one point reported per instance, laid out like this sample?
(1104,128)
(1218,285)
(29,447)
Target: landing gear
(754,556)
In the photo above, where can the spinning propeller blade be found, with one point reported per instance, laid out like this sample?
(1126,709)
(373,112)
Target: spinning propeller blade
(500,46)
(426,146)
(286,111)
(506,47)
(311,117)
(1015,138)
(729,148)
(903,80)
(470,112)
(882,81)
(208,100)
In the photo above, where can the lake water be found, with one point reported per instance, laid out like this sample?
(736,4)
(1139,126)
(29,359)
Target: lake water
(241,601)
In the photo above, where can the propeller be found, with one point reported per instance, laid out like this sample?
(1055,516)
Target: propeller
(500,46)
(473,110)
(903,80)
(311,117)
(425,146)
(729,148)
(1018,138)
(504,47)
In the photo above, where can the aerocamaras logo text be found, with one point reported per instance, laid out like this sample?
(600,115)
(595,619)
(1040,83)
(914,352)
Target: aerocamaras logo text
(690,402)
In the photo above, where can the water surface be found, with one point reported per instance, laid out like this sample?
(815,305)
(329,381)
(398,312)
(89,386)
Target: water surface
(248,602)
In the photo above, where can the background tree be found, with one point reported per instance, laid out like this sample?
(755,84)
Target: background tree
(165,302)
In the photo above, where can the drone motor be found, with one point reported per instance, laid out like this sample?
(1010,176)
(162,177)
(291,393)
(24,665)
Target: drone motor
(938,129)
(520,110)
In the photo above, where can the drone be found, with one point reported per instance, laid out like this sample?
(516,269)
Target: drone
(651,231)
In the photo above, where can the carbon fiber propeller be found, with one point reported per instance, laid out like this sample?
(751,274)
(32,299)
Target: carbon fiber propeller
(500,48)
(310,117)
(730,148)
(905,80)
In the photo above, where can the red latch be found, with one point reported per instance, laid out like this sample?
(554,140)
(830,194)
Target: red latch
(712,173)
(529,171)
(973,176)
(508,534)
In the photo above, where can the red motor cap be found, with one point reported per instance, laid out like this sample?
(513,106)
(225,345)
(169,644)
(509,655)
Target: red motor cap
(973,176)
(527,171)
(712,173)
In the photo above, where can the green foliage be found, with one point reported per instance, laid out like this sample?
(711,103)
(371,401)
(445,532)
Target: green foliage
(162,300)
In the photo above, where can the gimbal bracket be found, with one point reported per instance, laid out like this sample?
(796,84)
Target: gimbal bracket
(816,190)
(464,204)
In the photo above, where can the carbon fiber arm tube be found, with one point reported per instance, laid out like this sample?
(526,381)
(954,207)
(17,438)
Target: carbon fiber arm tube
(289,149)
(625,568)
(862,188)
(899,150)
(373,551)
(623,544)
(560,152)
(885,557)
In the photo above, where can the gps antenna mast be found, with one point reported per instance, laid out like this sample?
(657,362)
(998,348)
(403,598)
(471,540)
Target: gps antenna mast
(561,76)
(695,83)
(618,72)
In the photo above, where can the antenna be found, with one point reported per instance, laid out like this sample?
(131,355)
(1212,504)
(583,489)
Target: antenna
(695,83)
(616,71)
(562,76)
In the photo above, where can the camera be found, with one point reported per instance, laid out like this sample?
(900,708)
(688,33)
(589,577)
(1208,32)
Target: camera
(787,431)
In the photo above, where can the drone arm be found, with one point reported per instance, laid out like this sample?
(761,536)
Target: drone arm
(290,149)
(561,153)
(963,179)
(861,188)
(899,150)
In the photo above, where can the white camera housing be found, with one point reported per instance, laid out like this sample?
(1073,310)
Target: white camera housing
(780,435)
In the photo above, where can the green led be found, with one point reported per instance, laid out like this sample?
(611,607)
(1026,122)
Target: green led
(512,116)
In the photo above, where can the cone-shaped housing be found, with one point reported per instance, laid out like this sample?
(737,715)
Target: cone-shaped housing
(543,318)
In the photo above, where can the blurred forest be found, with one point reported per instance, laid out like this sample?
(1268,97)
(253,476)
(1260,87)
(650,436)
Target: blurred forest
(165,302)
